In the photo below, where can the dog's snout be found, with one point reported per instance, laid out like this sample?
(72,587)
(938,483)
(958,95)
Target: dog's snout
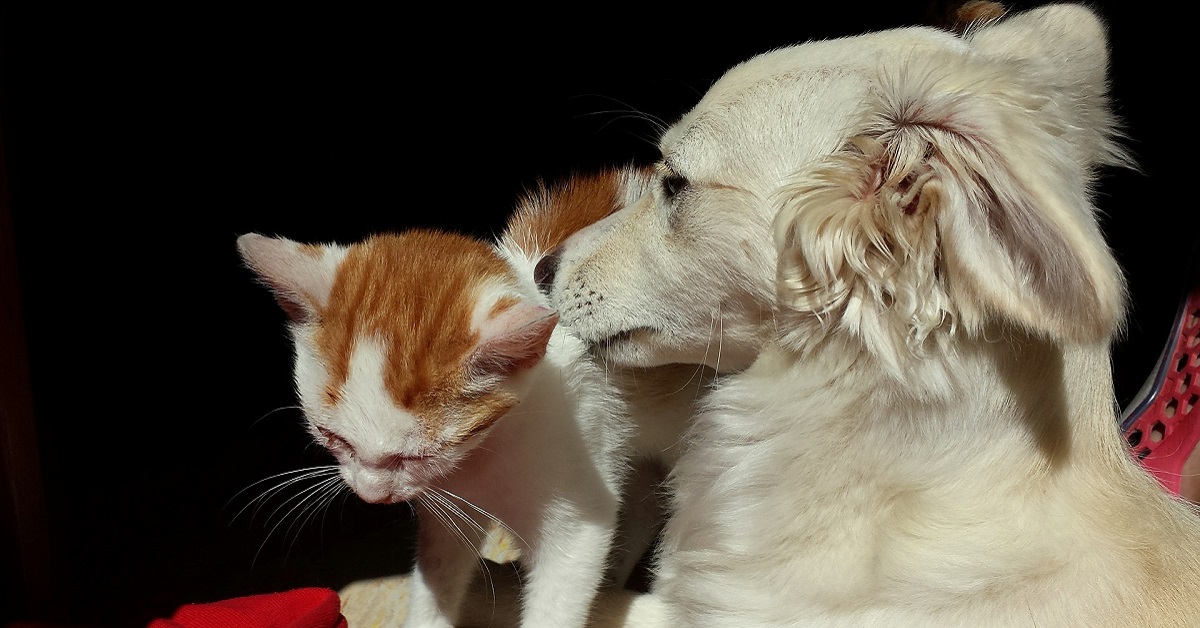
(544,272)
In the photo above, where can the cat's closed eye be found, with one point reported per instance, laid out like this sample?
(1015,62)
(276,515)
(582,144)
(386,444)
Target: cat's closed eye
(335,443)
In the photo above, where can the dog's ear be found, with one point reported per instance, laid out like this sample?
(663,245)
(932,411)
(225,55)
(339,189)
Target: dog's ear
(1062,51)
(965,198)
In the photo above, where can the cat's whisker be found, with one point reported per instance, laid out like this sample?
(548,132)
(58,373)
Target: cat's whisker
(490,517)
(300,499)
(259,502)
(485,513)
(300,476)
(332,495)
(319,503)
(317,469)
(320,499)
(270,412)
(342,512)
(437,508)
(309,446)
(454,509)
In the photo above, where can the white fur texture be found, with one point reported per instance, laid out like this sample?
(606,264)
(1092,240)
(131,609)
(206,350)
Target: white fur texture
(928,436)
(550,471)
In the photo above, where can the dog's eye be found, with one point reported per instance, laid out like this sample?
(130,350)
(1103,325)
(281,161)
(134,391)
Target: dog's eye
(673,184)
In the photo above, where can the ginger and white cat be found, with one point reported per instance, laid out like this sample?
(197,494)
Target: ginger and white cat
(429,364)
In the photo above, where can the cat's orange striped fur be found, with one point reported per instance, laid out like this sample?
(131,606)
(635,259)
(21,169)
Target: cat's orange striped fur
(430,366)
(412,291)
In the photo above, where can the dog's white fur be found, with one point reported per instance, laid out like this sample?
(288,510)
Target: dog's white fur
(928,436)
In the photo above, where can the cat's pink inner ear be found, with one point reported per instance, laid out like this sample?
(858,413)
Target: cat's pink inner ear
(513,340)
(300,276)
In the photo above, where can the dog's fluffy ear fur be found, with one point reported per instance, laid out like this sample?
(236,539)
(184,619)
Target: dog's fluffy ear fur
(964,198)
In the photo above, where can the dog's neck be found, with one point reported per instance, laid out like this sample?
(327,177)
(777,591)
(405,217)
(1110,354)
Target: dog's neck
(1055,401)
(1001,463)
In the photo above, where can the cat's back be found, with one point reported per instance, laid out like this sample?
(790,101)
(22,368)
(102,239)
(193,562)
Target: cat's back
(577,382)
(550,214)
(543,219)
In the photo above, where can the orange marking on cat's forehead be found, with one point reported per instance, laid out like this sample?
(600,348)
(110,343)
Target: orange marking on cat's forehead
(502,304)
(415,293)
(551,214)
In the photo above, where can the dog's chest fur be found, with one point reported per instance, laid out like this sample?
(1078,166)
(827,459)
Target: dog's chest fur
(870,509)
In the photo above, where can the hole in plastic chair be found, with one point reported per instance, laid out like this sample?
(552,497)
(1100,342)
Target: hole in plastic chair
(1134,438)
(1141,455)
(1179,366)
(1158,432)
(1191,403)
(1184,382)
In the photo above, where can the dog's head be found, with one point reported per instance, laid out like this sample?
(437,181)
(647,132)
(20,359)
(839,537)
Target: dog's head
(961,199)
(894,184)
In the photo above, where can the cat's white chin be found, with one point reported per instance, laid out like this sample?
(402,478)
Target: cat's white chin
(387,497)
(385,492)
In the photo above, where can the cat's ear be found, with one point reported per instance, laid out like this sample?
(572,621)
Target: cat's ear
(300,275)
(513,340)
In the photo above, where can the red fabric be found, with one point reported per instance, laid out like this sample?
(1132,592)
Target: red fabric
(312,607)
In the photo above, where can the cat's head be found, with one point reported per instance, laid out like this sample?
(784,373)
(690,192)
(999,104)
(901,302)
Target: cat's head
(409,348)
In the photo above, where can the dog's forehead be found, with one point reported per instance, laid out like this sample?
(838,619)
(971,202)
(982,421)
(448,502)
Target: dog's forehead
(771,114)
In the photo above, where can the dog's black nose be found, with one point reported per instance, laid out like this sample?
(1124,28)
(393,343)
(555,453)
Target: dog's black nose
(543,273)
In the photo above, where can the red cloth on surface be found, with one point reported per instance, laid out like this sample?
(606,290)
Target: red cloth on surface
(312,607)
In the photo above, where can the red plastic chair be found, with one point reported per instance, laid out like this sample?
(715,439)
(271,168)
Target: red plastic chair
(1162,424)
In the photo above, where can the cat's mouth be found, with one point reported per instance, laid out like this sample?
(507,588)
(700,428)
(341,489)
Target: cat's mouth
(383,494)
(394,482)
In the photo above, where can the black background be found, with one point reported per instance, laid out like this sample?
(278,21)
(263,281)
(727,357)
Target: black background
(141,143)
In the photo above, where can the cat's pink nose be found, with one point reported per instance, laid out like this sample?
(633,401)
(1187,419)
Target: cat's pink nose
(377,493)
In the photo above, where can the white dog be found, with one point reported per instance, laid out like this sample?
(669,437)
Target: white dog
(928,436)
